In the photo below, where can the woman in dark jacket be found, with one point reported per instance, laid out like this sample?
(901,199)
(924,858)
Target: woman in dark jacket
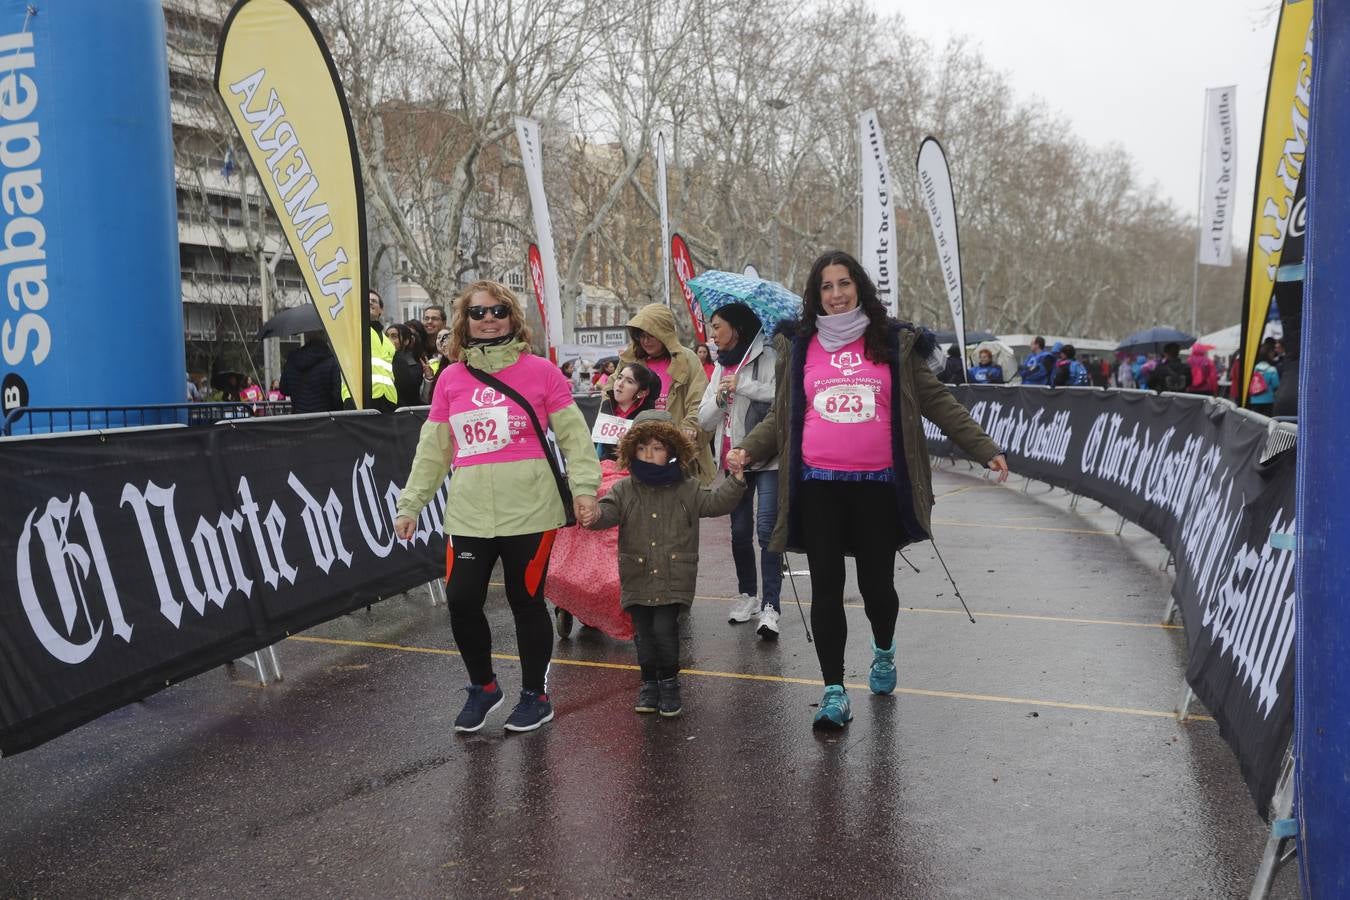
(852,389)
(407,365)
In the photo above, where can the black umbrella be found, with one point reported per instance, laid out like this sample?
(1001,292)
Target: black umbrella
(293,320)
(1152,340)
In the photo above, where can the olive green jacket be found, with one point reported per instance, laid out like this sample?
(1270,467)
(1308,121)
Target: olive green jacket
(687,380)
(658,535)
(501,499)
(921,396)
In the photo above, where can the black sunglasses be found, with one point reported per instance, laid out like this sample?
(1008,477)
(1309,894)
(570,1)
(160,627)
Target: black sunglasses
(499,311)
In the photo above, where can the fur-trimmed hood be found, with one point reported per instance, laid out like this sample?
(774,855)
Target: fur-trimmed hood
(656,424)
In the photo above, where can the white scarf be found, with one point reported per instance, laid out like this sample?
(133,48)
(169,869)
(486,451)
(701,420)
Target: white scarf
(842,328)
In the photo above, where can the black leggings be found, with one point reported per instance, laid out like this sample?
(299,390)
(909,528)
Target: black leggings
(858,517)
(656,632)
(468,567)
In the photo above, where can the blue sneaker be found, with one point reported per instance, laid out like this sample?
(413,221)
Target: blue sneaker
(481,702)
(882,677)
(834,711)
(533,710)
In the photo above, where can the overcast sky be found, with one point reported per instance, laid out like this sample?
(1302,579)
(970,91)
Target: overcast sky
(1132,74)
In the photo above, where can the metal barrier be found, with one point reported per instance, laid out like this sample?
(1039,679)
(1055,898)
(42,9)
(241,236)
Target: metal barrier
(27,420)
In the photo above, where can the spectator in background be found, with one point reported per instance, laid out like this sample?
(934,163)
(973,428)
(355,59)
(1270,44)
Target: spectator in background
(1037,366)
(194,393)
(987,372)
(953,372)
(1265,380)
(1069,372)
(407,365)
(1204,374)
(706,358)
(311,376)
(1124,371)
(1170,374)
(431,371)
(433,323)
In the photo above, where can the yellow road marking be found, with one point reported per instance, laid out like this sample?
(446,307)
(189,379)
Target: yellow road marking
(775,679)
(1063,620)
(969,487)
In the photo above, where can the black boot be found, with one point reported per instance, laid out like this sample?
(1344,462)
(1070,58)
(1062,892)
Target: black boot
(670,696)
(649,698)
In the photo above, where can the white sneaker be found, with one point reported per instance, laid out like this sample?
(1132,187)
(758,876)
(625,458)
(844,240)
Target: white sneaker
(768,624)
(744,609)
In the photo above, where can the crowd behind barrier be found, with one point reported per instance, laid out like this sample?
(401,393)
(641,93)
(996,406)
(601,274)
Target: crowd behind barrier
(1200,474)
(55,419)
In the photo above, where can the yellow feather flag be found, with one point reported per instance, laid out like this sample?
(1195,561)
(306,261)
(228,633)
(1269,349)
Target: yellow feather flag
(1284,145)
(278,81)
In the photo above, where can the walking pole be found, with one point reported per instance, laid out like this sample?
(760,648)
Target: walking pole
(953,581)
(793,579)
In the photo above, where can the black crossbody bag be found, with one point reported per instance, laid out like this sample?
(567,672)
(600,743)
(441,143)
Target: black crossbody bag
(563,490)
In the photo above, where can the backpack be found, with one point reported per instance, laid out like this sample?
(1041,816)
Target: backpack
(1078,374)
(1258,386)
(1176,377)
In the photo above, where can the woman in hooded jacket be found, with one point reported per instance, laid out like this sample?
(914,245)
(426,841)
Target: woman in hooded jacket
(656,344)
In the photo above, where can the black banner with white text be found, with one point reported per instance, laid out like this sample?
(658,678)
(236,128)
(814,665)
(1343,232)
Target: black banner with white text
(135,560)
(1188,470)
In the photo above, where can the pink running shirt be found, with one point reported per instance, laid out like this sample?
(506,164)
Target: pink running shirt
(848,410)
(489,427)
(662,369)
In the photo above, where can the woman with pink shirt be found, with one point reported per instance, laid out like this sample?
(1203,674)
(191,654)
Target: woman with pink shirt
(852,389)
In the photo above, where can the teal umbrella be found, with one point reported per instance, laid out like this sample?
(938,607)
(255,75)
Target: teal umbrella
(768,300)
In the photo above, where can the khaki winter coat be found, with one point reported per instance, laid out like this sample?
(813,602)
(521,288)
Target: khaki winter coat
(658,535)
(687,380)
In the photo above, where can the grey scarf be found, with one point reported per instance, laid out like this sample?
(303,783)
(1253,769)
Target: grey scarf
(841,329)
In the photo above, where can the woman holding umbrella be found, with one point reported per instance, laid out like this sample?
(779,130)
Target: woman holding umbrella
(736,400)
(656,344)
(853,387)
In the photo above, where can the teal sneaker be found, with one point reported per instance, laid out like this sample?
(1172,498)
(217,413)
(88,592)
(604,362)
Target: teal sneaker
(834,710)
(882,677)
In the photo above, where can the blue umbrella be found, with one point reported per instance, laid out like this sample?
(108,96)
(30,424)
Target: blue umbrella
(768,300)
(1153,339)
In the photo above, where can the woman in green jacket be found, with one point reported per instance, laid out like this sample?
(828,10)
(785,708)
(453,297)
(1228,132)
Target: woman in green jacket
(852,389)
(504,501)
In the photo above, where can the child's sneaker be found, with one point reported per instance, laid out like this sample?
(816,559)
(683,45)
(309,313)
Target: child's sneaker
(483,699)
(882,677)
(669,691)
(768,624)
(834,711)
(649,698)
(533,710)
(562,622)
(743,610)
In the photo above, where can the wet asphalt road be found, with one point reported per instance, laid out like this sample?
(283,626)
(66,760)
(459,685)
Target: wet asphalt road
(1028,755)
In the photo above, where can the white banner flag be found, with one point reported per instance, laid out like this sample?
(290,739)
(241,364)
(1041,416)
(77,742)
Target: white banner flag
(531,155)
(935,190)
(665,215)
(1216,191)
(877,248)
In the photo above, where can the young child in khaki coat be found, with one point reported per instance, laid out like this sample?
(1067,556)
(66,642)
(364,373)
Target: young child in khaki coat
(657,509)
